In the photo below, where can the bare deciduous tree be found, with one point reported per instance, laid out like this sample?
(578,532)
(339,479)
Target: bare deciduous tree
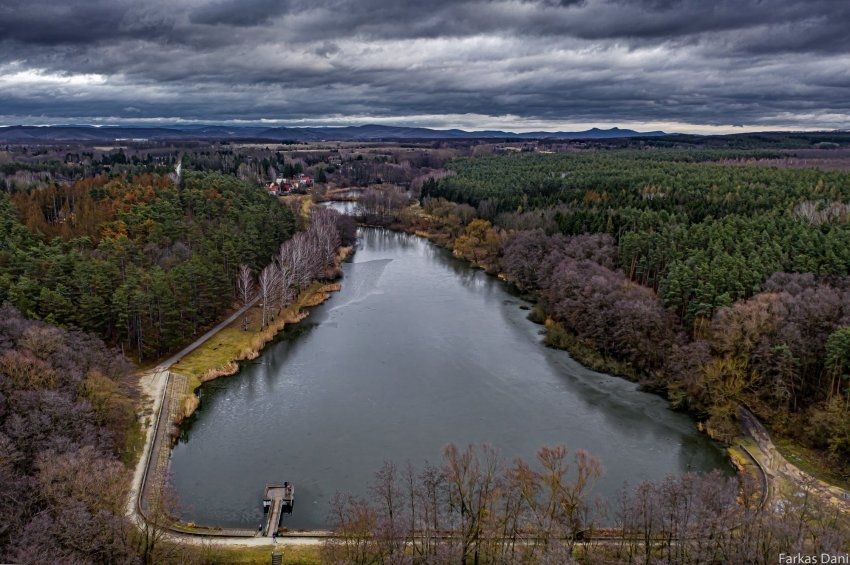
(267,281)
(382,205)
(285,284)
(245,291)
(159,517)
(324,226)
(473,509)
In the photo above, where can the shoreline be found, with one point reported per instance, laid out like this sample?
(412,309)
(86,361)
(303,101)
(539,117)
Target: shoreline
(740,453)
(753,441)
(159,426)
(245,346)
(314,295)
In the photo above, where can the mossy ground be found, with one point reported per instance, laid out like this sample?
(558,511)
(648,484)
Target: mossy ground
(133,445)
(811,462)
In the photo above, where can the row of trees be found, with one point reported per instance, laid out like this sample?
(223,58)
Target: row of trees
(255,165)
(307,256)
(382,205)
(576,280)
(477,508)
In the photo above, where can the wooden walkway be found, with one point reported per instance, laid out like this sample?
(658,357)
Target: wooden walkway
(278,498)
(274,517)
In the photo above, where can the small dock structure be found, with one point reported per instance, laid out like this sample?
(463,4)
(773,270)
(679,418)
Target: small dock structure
(277,501)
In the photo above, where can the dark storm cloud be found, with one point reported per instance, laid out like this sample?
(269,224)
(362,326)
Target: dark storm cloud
(535,62)
(238,12)
(46,23)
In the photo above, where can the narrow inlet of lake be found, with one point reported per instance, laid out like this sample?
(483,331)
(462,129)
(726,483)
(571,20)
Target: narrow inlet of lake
(416,351)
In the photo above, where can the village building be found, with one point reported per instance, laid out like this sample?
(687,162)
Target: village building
(283,185)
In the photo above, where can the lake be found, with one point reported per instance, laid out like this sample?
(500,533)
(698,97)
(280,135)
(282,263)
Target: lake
(416,351)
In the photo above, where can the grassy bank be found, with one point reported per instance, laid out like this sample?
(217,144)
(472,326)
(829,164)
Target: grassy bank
(220,355)
(242,555)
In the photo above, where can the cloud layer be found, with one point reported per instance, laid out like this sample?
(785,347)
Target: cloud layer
(686,65)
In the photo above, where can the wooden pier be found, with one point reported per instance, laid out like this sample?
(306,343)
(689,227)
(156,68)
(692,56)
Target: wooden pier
(277,501)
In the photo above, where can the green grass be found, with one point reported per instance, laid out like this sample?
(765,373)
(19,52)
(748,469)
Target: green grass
(218,351)
(134,444)
(812,462)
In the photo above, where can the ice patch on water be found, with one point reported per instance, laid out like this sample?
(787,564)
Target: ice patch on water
(364,284)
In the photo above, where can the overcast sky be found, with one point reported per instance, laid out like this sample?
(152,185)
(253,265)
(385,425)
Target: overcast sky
(688,65)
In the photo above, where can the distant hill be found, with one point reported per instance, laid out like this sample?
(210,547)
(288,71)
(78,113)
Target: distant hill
(345,133)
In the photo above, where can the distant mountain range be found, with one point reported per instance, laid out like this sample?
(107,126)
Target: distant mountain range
(345,133)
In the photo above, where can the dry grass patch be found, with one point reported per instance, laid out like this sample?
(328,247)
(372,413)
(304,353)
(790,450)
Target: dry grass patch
(220,355)
(248,555)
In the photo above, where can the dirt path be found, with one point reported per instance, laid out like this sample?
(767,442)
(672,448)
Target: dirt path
(164,391)
(786,479)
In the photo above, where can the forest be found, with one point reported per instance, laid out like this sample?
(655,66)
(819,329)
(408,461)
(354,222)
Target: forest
(701,234)
(705,274)
(718,283)
(139,263)
(67,415)
(138,260)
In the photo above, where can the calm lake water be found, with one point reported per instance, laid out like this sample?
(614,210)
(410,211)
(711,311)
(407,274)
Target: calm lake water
(418,350)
